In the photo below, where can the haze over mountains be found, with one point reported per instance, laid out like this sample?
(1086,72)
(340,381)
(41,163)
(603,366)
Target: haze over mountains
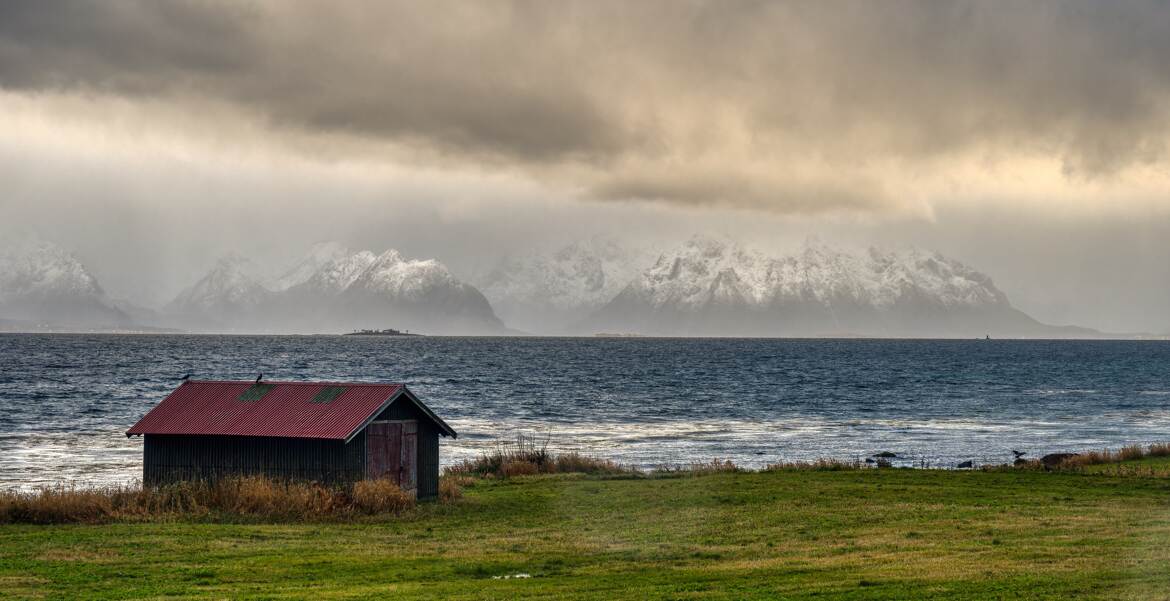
(552,292)
(40,283)
(334,290)
(702,287)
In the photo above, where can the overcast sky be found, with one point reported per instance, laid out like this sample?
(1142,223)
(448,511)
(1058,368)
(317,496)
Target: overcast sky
(1029,140)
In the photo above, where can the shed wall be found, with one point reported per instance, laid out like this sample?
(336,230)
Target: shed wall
(173,458)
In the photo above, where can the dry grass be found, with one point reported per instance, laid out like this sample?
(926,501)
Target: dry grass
(568,463)
(519,467)
(1105,456)
(698,468)
(61,504)
(819,465)
(380,496)
(247,498)
(451,488)
(1084,458)
(1158,449)
(527,457)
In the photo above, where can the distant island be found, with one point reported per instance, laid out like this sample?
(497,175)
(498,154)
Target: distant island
(386,332)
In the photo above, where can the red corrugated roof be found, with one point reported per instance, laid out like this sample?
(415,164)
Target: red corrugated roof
(285,410)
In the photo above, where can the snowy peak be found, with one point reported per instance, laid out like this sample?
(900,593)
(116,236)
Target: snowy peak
(41,282)
(43,269)
(319,255)
(340,273)
(701,271)
(394,275)
(915,272)
(229,286)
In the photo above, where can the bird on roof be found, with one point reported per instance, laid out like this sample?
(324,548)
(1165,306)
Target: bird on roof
(259,377)
(186,377)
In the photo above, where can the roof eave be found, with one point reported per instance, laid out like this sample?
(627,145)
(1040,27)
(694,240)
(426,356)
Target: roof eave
(444,429)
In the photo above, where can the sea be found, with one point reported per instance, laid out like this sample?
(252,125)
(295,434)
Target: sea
(66,400)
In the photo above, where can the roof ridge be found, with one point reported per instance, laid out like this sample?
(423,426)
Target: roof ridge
(216,408)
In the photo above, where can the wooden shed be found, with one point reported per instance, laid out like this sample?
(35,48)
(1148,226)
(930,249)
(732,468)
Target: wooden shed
(328,432)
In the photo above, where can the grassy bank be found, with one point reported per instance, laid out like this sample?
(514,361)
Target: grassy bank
(789,533)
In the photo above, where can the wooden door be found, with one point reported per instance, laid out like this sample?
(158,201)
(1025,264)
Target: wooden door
(408,480)
(383,450)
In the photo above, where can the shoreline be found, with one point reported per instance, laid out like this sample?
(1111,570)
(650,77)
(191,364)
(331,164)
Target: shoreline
(130,474)
(1066,461)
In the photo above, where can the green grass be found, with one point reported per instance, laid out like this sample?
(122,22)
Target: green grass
(864,534)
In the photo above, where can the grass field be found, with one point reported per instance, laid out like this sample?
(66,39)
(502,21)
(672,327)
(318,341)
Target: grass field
(860,534)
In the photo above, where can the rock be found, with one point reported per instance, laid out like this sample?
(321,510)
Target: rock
(886,455)
(1052,460)
(1019,462)
(966,465)
(869,460)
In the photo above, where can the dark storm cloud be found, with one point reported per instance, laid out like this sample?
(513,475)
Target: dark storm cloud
(122,46)
(752,103)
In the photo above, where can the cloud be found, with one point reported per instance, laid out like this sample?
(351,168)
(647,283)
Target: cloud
(799,107)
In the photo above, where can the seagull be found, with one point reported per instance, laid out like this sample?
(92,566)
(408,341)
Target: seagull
(186,377)
(1018,454)
(259,377)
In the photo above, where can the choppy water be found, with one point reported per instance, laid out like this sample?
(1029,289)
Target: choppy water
(65,400)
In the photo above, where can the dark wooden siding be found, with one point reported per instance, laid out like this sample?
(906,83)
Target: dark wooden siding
(428,460)
(174,458)
(428,445)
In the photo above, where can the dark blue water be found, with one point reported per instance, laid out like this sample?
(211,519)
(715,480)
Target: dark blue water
(65,400)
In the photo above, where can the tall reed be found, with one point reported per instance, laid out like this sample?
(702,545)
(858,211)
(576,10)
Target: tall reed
(249,497)
(527,456)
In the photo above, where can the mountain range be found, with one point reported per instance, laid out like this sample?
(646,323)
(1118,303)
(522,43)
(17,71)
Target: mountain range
(708,287)
(702,287)
(333,290)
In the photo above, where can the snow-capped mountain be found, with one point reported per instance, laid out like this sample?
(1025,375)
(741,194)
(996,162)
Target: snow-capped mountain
(420,294)
(320,255)
(336,276)
(549,292)
(332,289)
(41,283)
(227,297)
(711,287)
(393,275)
